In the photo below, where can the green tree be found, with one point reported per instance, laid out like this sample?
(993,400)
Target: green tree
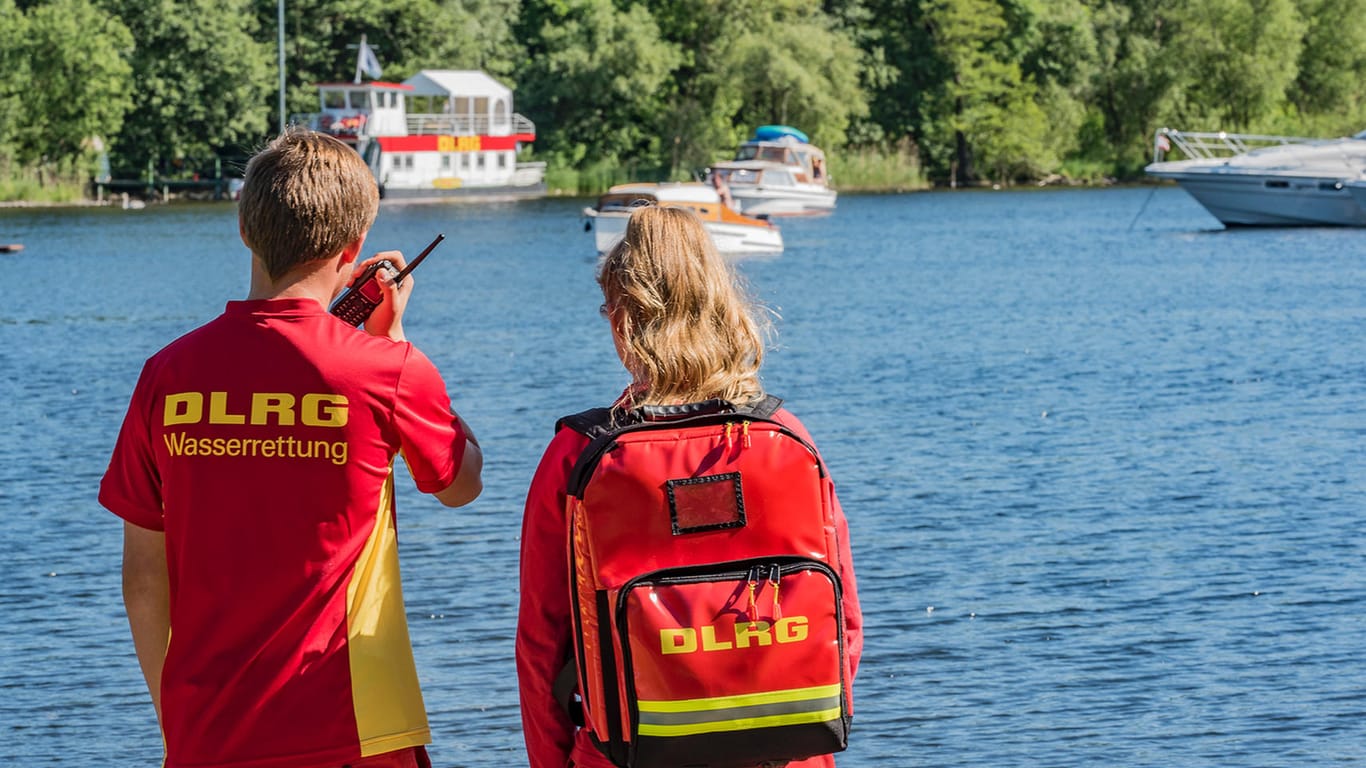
(1057,51)
(1138,79)
(1242,57)
(985,111)
(789,63)
(15,64)
(746,63)
(203,82)
(596,80)
(78,80)
(909,68)
(1332,64)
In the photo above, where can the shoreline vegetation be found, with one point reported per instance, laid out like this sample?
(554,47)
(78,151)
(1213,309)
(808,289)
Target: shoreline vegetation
(901,94)
(854,171)
(861,171)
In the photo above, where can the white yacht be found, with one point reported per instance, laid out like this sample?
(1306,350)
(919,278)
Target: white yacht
(1357,189)
(776,173)
(1252,180)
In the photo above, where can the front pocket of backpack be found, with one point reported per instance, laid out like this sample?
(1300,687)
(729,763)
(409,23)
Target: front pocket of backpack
(734,664)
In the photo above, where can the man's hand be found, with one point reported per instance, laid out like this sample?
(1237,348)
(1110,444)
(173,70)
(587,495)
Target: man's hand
(387,319)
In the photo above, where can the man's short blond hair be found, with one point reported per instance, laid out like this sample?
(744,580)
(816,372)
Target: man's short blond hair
(306,196)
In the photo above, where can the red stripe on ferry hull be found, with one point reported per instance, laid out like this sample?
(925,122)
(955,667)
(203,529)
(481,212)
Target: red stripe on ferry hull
(434,143)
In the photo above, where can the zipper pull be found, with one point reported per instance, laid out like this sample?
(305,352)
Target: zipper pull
(753,592)
(773,579)
(744,430)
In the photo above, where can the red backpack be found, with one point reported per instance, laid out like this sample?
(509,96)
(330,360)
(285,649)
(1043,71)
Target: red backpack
(706,593)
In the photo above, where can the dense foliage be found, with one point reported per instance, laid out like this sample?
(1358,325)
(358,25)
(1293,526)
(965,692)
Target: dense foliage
(974,90)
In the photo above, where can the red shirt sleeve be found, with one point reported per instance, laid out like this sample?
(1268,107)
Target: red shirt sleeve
(544,643)
(131,487)
(430,435)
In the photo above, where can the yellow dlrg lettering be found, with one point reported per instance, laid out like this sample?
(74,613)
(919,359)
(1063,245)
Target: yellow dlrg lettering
(218,410)
(709,642)
(791,629)
(279,403)
(681,640)
(445,143)
(321,410)
(745,634)
(183,408)
(752,630)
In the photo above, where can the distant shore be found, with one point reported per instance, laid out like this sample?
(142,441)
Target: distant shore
(53,204)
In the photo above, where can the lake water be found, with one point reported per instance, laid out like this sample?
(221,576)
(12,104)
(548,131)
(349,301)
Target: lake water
(1104,462)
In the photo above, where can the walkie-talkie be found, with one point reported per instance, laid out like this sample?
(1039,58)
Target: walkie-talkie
(355,305)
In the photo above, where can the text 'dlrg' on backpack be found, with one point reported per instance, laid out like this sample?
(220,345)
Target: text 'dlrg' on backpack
(707,601)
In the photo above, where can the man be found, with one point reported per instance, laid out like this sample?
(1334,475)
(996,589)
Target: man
(254,473)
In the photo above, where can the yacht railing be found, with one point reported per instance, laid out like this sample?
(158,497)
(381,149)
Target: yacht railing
(1196,145)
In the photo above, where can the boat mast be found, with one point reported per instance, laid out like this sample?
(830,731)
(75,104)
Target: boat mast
(280,38)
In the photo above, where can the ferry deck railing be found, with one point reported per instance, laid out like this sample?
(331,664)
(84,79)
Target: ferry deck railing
(441,124)
(465,125)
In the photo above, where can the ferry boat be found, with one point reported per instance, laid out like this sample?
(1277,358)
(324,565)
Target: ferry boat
(441,134)
(734,234)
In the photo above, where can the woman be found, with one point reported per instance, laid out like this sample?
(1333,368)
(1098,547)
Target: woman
(686,333)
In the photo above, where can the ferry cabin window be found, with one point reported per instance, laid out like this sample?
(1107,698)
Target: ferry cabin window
(359,99)
(465,161)
(480,162)
(502,160)
(334,100)
(481,114)
(445,162)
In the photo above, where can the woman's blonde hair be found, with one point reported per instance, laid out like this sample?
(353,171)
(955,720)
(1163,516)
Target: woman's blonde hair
(687,329)
(306,196)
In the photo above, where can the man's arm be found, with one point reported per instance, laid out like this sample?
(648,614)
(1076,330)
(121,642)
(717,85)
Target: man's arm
(147,598)
(468,482)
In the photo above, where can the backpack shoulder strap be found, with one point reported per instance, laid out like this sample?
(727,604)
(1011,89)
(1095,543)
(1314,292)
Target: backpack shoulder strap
(764,409)
(596,422)
(592,423)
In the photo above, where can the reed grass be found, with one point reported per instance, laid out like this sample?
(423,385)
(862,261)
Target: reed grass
(28,186)
(876,170)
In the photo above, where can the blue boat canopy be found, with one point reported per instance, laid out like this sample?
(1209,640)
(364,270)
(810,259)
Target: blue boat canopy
(776,132)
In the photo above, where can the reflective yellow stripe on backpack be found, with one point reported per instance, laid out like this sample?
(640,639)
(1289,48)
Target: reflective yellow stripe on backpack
(687,717)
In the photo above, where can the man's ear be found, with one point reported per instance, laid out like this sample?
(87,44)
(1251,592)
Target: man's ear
(352,250)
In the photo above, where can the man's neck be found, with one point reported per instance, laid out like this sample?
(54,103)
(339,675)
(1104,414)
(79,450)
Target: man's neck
(318,281)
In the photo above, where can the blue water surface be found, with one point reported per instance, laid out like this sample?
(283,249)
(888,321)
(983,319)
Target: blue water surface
(1104,463)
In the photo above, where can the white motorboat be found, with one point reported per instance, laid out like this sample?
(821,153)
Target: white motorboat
(776,173)
(1357,189)
(732,232)
(1251,180)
